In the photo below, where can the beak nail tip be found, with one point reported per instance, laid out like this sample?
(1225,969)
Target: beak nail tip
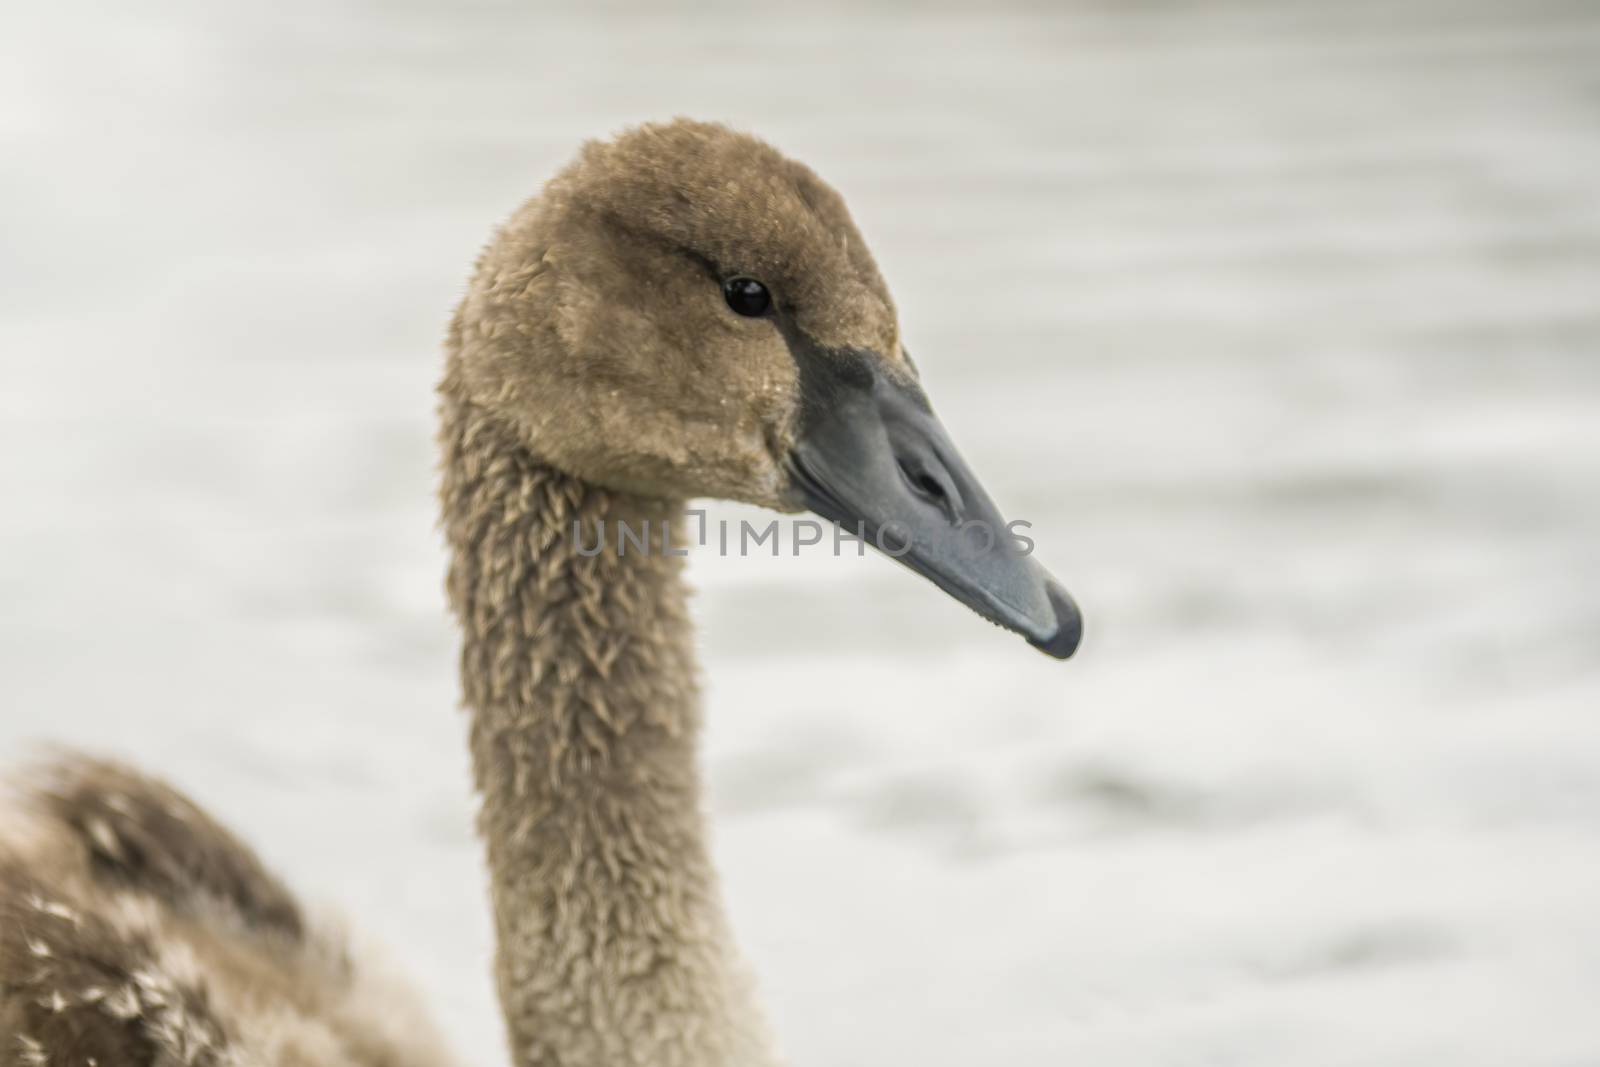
(1069,625)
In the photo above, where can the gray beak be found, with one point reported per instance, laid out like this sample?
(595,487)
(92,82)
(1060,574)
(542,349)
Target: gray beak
(872,457)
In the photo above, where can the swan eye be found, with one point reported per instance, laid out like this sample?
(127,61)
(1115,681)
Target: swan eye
(747,296)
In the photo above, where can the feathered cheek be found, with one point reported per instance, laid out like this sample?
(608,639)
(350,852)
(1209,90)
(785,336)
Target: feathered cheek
(778,412)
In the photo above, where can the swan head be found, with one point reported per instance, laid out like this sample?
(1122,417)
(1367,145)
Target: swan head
(685,312)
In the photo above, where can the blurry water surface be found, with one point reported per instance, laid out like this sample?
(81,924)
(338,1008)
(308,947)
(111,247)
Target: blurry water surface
(1280,321)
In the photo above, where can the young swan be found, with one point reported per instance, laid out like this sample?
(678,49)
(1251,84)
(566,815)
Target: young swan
(682,312)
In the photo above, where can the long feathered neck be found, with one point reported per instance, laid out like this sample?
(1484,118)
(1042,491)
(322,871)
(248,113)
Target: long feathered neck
(578,671)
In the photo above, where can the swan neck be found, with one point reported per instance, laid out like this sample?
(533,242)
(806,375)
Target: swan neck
(578,673)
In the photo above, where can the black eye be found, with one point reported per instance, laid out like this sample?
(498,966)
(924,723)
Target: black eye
(747,296)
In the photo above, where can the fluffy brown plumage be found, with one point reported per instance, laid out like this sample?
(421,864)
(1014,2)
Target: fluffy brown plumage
(134,931)
(595,326)
(594,372)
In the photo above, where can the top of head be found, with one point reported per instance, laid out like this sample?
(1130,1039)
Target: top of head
(597,323)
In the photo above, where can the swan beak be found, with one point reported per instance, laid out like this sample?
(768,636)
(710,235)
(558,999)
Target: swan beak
(872,457)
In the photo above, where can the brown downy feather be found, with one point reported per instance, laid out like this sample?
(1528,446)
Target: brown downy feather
(135,930)
(580,674)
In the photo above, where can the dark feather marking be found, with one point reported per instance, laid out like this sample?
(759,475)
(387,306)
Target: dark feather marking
(75,991)
(142,834)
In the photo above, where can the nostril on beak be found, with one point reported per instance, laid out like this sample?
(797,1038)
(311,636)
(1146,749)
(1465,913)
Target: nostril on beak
(933,486)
